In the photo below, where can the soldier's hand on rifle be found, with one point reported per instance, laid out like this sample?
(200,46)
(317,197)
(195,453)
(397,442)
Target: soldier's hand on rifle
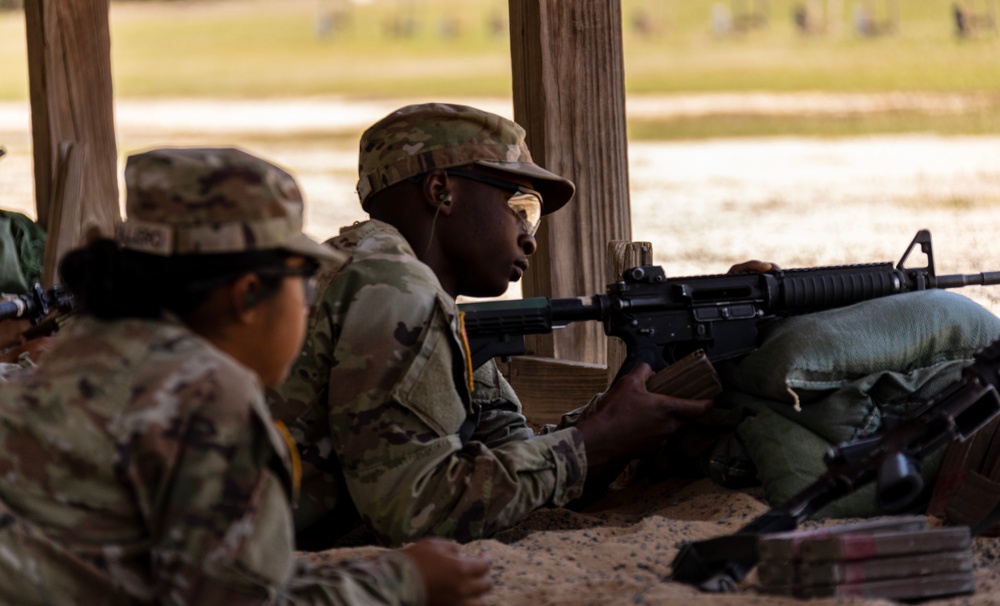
(753,267)
(630,421)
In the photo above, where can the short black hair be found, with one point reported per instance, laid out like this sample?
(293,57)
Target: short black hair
(109,282)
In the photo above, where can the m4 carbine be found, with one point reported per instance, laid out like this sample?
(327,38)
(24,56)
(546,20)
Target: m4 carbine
(36,305)
(662,319)
(890,459)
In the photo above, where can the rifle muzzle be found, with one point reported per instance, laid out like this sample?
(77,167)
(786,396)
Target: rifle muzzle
(898,483)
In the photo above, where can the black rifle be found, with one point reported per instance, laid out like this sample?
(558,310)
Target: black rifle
(663,319)
(36,305)
(890,459)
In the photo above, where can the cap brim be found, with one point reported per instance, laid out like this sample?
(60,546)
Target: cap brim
(556,191)
(304,245)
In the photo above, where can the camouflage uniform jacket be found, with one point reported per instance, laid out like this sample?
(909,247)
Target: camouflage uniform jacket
(379,404)
(139,465)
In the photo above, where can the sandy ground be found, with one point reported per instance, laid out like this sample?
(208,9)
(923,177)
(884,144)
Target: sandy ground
(619,552)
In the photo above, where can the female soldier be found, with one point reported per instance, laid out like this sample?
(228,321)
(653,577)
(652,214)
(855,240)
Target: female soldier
(138,461)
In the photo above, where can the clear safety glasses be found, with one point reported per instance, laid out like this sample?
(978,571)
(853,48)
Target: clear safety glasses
(525,202)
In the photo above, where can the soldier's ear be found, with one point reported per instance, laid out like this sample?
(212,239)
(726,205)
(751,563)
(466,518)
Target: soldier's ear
(437,191)
(244,297)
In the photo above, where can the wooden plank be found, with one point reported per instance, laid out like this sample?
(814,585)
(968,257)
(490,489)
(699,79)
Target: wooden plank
(550,388)
(66,227)
(569,94)
(621,256)
(69,75)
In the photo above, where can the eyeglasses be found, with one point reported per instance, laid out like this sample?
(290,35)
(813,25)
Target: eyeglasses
(307,272)
(525,203)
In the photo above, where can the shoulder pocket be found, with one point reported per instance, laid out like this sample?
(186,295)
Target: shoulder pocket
(434,384)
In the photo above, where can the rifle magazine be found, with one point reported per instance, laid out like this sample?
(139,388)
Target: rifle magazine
(692,377)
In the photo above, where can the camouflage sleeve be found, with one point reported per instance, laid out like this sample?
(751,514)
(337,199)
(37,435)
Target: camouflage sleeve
(214,488)
(390,578)
(397,406)
(200,462)
(500,416)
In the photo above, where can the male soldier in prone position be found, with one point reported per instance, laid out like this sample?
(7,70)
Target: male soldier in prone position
(389,418)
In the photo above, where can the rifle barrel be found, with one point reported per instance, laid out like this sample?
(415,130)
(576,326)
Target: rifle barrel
(986,278)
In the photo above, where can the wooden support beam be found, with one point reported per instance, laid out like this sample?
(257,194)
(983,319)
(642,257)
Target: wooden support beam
(69,74)
(569,94)
(65,223)
(550,388)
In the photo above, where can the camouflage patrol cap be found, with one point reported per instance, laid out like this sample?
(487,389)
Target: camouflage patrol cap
(212,200)
(417,138)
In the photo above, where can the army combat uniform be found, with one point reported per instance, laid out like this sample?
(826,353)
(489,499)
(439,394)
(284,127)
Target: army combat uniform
(138,462)
(380,406)
(388,416)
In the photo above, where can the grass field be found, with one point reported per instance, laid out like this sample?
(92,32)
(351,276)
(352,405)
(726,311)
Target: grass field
(800,201)
(460,48)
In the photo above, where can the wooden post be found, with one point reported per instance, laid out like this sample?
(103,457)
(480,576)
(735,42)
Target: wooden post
(65,221)
(69,74)
(569,94)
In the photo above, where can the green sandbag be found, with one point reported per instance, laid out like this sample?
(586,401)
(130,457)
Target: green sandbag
(22,252)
